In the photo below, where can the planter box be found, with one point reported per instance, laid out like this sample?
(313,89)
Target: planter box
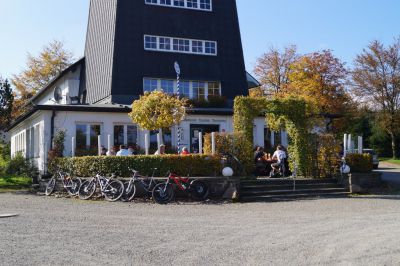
(363,182)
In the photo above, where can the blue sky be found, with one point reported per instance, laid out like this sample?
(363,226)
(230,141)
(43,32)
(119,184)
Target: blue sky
(345,26)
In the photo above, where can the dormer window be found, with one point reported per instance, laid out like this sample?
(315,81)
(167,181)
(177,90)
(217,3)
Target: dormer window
(204,5)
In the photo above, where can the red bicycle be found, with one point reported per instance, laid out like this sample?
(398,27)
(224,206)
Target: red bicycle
(163,193)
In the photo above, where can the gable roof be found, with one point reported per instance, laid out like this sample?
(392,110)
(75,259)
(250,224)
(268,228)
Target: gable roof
(55,79)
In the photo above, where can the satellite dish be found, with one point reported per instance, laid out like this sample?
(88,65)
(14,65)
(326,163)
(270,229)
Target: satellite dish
(177,68)
(57,94)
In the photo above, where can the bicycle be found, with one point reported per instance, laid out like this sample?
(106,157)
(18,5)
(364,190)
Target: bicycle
(163,193)
(71,185)
(136,183)
(111,189)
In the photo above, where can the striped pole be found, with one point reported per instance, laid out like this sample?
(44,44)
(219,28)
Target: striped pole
(178,92)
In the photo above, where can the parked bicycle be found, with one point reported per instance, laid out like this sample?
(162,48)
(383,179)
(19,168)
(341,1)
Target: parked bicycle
(163,193)
(70,184)
(138,184)
(110,188)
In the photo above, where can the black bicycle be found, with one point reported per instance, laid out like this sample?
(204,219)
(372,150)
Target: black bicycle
(138,186)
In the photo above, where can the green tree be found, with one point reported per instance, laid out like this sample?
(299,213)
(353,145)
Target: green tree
(376,82)
(6,104)
(157,110)
(40,70)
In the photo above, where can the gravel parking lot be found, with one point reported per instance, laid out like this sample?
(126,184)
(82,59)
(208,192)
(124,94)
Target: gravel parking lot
(51,231)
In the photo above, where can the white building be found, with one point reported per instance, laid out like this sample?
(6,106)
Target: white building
(126,56)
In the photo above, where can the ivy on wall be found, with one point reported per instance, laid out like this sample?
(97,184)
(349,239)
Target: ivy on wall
(288,113)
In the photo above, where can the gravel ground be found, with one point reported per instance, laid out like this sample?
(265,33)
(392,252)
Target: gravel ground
(51,231)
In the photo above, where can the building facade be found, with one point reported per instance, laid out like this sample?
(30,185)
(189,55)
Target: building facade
(131,48)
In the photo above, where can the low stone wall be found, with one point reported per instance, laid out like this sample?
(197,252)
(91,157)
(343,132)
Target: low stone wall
(220,187)
(362,182)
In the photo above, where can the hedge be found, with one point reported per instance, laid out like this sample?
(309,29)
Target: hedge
(360,163)
(194,165)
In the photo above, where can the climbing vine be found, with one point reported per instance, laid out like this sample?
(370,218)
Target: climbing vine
(288,113)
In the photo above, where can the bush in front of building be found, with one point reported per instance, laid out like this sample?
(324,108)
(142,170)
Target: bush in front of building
(192,165)
(20,166)
(235,144)
(360,163)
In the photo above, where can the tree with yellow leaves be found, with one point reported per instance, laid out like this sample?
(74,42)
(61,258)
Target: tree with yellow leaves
(156,110)
(40,70)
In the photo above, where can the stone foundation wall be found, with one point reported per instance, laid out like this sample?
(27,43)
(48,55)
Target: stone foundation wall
(363,182)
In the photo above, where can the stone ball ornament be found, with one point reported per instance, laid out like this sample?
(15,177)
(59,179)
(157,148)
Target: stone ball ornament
(227,172)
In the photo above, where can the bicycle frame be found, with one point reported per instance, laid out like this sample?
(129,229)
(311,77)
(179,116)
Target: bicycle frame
(136,178)
(181,182)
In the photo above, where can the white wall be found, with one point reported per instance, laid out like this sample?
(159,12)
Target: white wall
(19,138)
(69,85)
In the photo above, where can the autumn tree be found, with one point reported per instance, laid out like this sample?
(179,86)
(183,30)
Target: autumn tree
(6,104)
(40,70)
(376,81)
(157,110)
(273,69)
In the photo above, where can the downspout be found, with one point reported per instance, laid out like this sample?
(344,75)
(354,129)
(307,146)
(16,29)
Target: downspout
(53,115)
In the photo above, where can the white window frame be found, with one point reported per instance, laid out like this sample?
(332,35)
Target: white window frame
(191,82)
(172,5)
(171,50)
(87,133)
(125,125)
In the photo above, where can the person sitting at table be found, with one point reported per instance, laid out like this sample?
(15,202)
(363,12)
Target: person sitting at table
(279,155)
(161,150)
(185,151)
(259,154)
(123,151)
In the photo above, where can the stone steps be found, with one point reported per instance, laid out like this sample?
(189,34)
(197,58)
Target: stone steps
(286,189)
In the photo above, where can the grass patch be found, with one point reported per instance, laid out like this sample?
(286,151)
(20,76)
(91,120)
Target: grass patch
(390,160)
(14,182)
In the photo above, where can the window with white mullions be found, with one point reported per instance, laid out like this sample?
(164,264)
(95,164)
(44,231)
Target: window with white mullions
(202,5)
(179,3)
(197,47)
(150,42)
(167,86)
(192,3)
(205,4)
(210,48)
(150,85)
(180,45)
(165,43)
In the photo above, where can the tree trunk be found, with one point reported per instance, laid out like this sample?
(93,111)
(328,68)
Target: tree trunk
(394,148)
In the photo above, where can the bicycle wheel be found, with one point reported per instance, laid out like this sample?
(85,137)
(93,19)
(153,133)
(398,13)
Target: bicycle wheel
(72,186)
(198,190)
(114,190)
(163,193)
(51,186)
(87,189)
(129,191)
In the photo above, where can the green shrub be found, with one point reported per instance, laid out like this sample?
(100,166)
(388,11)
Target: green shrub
(194,165)
(5,151)
(360,163)
(20,166)
(235,144)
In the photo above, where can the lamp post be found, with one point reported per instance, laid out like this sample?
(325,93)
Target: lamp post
(178,92)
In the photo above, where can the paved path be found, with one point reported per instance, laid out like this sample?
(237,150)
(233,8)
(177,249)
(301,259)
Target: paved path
(50,231)
(390,173)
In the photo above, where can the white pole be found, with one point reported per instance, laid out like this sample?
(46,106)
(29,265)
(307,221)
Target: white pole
(73,147)
(200,142)
(146,143)
(360,145)
(213,143)
(99,144)
(349,143)
(158,142)
(109,143)
(345,145)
